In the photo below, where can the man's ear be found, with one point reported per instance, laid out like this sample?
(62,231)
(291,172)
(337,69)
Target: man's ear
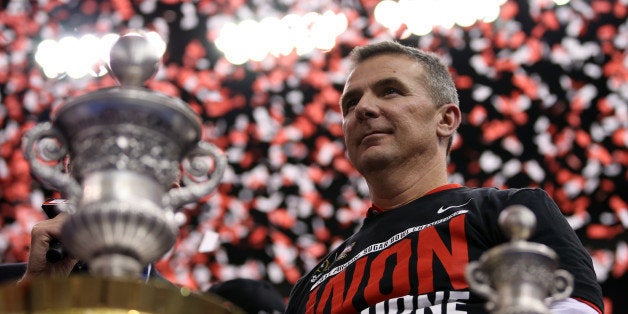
(449,118)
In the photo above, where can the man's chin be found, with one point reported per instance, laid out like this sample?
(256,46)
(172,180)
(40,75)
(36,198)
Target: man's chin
(372,160)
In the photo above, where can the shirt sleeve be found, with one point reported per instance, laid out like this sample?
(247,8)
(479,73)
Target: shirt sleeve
(572,306)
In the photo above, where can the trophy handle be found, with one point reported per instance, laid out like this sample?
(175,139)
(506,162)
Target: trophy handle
(195,165)
(478,280)
(42,143)
(562,286)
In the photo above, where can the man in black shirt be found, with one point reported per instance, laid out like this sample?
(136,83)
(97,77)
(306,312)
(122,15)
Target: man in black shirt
(400,112)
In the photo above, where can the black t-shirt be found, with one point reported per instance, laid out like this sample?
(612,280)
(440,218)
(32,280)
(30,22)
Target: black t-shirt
(414,256)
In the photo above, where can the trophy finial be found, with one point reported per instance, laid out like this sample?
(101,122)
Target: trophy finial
(517,222)
(133,60)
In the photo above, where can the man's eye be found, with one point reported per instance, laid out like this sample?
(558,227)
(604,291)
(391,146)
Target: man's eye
(391,90)
(349,104)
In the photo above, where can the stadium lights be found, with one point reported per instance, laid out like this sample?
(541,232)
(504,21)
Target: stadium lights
(420,17)
(253,40)
(248,40)
(78,57)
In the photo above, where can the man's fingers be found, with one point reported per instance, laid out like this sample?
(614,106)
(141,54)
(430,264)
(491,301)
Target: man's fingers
(49,228)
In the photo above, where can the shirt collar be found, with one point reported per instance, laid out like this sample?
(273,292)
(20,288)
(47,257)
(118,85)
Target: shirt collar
(375,210)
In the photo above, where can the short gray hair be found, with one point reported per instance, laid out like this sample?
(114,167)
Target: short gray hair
(439,82)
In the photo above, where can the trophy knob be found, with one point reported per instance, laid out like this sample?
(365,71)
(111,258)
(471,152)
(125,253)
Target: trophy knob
(517,222)
(133,60)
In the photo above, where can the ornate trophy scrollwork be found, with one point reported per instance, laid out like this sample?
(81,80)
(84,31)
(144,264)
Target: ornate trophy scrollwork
(519,276)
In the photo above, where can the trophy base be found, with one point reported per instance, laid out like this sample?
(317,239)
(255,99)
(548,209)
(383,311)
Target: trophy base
(89,294)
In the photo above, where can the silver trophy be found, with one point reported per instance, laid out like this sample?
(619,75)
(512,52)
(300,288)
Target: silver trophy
(520,276)
(128,148)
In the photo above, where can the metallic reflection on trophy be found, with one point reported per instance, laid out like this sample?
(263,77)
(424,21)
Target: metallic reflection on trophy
(519,276)
(127,146)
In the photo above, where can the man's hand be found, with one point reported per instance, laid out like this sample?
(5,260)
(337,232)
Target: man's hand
(41,236)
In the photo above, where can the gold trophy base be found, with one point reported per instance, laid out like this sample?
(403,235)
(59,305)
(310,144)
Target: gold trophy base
(99,295)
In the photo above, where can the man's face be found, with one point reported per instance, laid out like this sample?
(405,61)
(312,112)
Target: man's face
(389,117)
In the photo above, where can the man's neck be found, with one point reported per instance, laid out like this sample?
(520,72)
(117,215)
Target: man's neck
(397,186)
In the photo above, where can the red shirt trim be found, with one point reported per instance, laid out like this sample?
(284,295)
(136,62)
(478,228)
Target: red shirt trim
(444,187)
(589,304)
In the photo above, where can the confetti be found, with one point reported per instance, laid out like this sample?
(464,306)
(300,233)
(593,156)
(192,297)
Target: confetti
(543,90)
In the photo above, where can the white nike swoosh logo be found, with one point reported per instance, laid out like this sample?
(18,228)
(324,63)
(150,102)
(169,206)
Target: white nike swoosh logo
(444,209)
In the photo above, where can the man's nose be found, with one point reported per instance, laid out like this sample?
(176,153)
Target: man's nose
(366,109)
